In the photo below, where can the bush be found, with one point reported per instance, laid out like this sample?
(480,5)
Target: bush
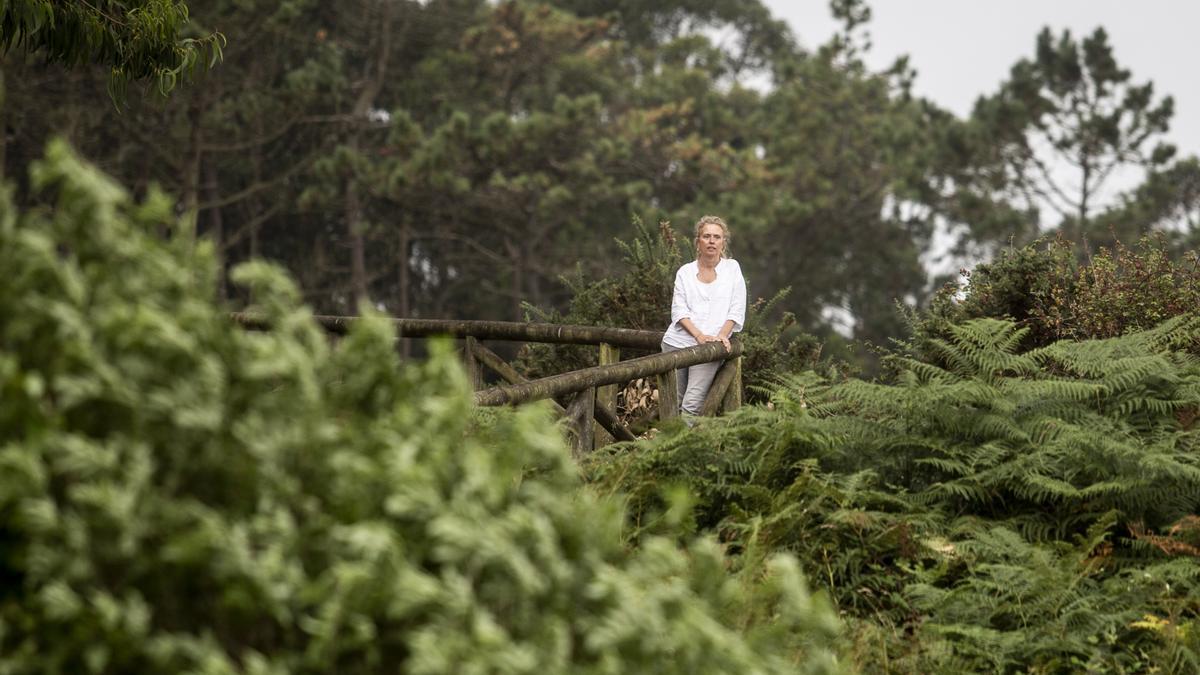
(1045,290)
(177,495)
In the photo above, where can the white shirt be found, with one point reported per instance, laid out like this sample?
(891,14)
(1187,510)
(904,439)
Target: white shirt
(709,305)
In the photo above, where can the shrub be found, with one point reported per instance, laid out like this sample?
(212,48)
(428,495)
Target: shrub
(1045,290)
(177,495)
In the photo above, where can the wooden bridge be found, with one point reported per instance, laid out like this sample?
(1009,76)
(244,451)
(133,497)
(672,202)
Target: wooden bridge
(589,394)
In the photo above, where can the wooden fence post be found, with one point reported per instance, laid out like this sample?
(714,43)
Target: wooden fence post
(714,400)
(579,415)
(733,395)
(606,396)
(474,370)
(668,395)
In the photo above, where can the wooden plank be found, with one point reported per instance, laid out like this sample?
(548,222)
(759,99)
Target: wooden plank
(606,395)
(579,417)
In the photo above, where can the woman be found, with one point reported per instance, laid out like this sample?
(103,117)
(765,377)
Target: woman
(708,305)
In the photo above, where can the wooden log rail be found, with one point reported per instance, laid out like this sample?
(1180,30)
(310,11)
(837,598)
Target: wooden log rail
(514,331)
(617,373)
(592,401)
(592,411)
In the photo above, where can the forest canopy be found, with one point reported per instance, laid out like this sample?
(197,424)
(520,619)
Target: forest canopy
(457,158)
(135,39)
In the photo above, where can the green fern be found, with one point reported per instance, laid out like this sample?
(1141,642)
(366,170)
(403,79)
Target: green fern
(972,512)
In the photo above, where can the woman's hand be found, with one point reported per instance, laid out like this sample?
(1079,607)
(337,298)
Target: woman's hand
(703,339)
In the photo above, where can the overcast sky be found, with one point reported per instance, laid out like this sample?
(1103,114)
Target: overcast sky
(964,48)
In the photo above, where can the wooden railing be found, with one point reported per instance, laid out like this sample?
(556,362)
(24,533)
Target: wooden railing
(591,392)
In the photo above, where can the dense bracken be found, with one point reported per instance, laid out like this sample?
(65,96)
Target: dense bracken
(1006,511)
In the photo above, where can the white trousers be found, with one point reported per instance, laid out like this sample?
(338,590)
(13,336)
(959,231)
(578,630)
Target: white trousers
(694,382)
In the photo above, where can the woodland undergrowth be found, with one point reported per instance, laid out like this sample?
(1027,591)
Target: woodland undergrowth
(983,509)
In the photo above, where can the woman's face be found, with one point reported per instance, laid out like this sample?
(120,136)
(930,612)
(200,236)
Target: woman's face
(711,241)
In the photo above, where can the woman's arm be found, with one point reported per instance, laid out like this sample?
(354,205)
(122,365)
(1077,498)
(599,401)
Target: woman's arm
(737,308)
(736,317)
(701,338)
(723,334)
(691,329)
(680,312)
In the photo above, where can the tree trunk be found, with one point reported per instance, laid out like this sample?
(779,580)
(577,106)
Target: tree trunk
(374,78)
(3,121)
(191,168)
(533,279)
(403,309)
(517,281)
(216,226)
(358,245)
(257,163)
(1084,191)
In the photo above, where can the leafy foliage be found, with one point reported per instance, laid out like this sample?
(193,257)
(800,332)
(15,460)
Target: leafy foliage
(986,509)
(179,495)
(1045,289)
(135,39)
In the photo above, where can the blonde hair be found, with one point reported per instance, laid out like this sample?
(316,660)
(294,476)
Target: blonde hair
(712,220)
